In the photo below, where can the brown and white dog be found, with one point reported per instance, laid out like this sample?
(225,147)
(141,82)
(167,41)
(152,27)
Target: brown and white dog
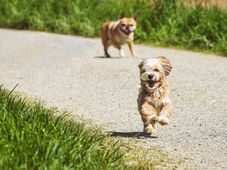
(153,100)
(118,33)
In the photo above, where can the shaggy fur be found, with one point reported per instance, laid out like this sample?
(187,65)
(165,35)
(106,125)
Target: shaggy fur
(118,33)
(153,101)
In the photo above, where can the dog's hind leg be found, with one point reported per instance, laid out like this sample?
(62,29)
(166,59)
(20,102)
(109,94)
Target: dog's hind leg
(149,118)
(106,45)
(150,123)
(106,52)
(105,41)
(150,128)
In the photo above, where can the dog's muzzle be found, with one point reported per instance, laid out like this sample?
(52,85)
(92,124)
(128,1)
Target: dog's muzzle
(150,80)
(150,76)
(151,83)
(127,29)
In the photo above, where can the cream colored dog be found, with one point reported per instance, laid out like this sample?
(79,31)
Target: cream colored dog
(153,101)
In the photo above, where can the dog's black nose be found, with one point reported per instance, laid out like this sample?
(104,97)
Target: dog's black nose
(150,76)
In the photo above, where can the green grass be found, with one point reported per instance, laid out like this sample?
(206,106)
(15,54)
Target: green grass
(33,138)
(160,22)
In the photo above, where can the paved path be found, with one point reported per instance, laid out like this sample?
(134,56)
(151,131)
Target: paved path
(68,72)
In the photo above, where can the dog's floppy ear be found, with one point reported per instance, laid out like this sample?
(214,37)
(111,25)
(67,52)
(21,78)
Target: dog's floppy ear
(122,15)
(141,63)
(135,16)
(165,64)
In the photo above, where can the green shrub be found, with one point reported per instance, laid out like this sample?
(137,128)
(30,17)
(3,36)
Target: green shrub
(162,22)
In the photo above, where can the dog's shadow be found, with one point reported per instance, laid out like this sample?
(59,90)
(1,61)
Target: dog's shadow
(104,57)
(138,135)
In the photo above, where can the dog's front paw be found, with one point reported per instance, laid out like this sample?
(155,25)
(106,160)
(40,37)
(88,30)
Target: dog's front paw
(152,118)
(121,53)
(165,101)
(135,56)
(163,120)
(151,129)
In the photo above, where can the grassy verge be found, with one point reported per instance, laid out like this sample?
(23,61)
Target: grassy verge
(33,138)
(160,22)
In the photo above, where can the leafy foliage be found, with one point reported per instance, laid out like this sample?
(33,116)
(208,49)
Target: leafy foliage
(161,22)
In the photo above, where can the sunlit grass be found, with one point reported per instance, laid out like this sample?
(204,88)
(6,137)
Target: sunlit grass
(33,138)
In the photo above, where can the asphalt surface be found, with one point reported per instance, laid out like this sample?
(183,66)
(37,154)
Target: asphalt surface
(69,72)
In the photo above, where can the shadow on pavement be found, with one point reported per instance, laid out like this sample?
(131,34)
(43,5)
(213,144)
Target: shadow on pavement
(139,135)
(103,57)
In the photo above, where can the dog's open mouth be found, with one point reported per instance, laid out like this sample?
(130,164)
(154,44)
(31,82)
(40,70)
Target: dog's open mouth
(151,83)
(126,31)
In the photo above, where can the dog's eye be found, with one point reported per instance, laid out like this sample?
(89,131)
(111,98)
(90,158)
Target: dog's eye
(156,70)
(123,25)
(130,25)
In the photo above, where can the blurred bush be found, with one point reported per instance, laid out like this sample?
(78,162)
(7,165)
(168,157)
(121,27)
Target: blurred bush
(160,22)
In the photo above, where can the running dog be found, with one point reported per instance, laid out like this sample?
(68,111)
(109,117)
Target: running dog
(118,33)
(153,100)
